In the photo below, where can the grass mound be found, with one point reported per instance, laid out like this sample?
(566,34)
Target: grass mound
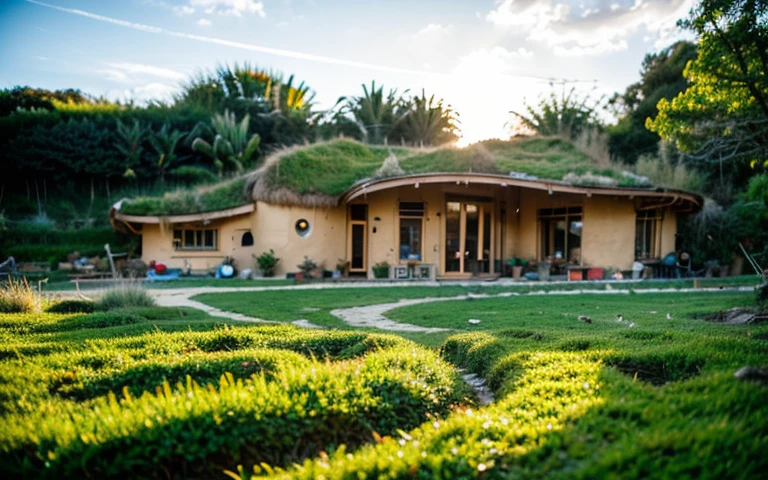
(220,196)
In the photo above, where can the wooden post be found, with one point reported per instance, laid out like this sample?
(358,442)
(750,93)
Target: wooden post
(111,261)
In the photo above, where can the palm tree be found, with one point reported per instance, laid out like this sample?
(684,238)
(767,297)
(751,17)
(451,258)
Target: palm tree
(130,144)
(232,147)
(374,113)
(430,122)
(164,142)
(566,116)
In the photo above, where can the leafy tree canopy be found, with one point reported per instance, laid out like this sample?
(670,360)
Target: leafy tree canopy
(661,77)
(723,116)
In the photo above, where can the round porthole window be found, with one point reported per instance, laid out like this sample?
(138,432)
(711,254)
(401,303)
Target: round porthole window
(303,227)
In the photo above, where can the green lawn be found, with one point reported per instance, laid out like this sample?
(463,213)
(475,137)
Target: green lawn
(657,399)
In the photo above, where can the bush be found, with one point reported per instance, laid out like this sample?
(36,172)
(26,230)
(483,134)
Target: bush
(18,297)
(72,306)
(267,262)
(125,296)
(381,270)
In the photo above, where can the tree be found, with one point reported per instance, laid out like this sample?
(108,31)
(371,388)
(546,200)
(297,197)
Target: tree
(722,118)
(430,122)
(375,113)
(232,147)
(661,76)
(130,144)
(566,115)
(164,142)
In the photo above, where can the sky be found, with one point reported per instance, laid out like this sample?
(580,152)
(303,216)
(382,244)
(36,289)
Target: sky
(486,58)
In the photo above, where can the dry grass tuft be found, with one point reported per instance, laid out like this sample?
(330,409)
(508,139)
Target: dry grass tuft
(18,297)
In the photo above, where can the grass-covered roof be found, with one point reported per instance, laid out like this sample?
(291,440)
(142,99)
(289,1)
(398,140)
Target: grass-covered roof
(317,174)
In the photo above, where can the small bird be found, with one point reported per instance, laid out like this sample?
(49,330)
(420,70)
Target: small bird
(632,325)
(585,319)
(620,318)
(669,317)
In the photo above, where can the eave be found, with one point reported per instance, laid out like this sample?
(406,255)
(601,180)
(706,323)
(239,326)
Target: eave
(668,198)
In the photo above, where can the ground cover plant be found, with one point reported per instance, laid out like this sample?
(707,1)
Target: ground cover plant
(171,393)
(646,397)
(165,392)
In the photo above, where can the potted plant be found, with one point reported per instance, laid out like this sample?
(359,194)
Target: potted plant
(306,268)
(267,262)
(342,266)
(381,270)
(517,265)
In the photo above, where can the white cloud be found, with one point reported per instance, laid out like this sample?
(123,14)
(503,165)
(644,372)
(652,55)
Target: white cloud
(230,7)
(204,22)
(433,30)
(183,10)
(134,69)
(603,27)
(497,60)
(149,92)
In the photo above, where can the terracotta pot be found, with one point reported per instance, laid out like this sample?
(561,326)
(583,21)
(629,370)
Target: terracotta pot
(517,271)
(737,266)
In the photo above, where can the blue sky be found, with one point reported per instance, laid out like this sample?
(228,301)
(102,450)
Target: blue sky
(485,57)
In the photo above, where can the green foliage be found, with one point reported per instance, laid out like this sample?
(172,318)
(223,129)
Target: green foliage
(130,145)
(565,116)
(33,242)
(722,118)
(16,296)
(662,170)
(220,196)
(71,306)
(164,142)
(307,266)
(661,76)
(331,168)
(267,262)
(125,296)
(232,148)
(240,396)
(381,270)
(193,175)
(28,98)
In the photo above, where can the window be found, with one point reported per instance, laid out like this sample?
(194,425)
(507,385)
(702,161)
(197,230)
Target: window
(647,234)
(411,219)
(561,233)
(195,239)
(247,240)
(303,227)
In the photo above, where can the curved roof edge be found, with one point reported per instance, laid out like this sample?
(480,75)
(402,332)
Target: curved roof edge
(678,198)
(115,214)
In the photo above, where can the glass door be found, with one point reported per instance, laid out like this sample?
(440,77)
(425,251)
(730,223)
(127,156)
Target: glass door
(468,230)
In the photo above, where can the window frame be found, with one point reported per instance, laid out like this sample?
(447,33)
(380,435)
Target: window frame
(411,211)
(569,213)
(199,237)
(654,218)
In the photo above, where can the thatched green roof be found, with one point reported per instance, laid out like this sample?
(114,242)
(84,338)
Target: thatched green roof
(318,174)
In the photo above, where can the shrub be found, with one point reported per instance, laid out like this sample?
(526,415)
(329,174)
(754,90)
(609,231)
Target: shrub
(267,262)
(381,270)
(18,297)
(72,306)
(307,266)
(125,296)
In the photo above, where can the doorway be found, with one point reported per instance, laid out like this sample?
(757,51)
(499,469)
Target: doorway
(468,235)
(357,239)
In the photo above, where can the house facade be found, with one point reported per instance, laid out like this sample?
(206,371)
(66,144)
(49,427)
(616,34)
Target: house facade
(452,225)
